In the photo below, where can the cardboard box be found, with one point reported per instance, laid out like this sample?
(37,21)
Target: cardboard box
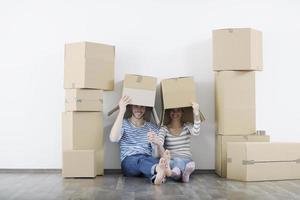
(235,102)
(83,100)
(178,93)
(141,89)
(237,49)
(100,160)
(83,131)
(263,161)
(221,149)
(79,163)
(89,65)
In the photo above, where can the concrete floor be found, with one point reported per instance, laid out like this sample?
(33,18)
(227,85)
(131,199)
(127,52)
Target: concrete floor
(51,185)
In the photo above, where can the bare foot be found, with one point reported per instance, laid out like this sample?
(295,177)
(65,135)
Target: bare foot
(189,168)
(176,173)
(167,157)
(160,172)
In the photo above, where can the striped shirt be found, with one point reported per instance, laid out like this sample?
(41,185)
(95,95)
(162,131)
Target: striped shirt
(179,145)
(134,140)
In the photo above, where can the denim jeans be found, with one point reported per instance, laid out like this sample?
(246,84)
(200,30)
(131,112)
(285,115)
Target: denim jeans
(179,162)
(139,165)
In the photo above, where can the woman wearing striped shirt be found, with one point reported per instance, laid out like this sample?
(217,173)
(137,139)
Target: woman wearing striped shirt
(176,137)
(135,149)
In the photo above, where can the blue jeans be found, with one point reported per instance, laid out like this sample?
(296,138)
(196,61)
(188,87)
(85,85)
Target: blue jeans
(139,165)
(179,162)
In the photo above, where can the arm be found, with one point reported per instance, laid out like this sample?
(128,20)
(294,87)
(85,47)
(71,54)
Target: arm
(158,141)
(196,127)
(116,130)
(161,150)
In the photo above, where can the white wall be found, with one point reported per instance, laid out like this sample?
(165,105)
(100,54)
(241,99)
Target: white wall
(158,38)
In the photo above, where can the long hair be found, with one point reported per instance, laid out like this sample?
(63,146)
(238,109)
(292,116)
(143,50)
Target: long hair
(167,119)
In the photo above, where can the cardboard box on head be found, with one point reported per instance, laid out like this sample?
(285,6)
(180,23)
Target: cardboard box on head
(178,92)
(89,65)
(142,91)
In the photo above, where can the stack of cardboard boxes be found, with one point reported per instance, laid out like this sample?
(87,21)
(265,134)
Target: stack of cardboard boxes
(89,69)
(241,153)
(237,54)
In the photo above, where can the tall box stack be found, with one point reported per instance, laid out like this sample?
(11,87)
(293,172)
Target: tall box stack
(88,71)
(237,54)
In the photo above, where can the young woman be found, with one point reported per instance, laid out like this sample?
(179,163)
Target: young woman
(176,137)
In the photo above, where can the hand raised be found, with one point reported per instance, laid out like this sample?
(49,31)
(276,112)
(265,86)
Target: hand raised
(124,101)
(195,108)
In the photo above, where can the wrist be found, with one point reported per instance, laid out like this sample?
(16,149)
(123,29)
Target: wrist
(122,110)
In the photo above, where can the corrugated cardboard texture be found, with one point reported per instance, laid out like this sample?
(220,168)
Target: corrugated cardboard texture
(221,149)
(79,163)
(263,161)
(178,92)
(141,89)
(89,65)
(235,102)
(237,49)
(83,100)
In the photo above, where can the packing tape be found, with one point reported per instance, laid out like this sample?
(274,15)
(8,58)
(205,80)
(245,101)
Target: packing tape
(248,162)
(230,30)
(139,79)
(252,162)
(83,100)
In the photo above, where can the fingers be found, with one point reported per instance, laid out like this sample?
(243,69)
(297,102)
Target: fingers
(126,100)
(151,136)
(195,105)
